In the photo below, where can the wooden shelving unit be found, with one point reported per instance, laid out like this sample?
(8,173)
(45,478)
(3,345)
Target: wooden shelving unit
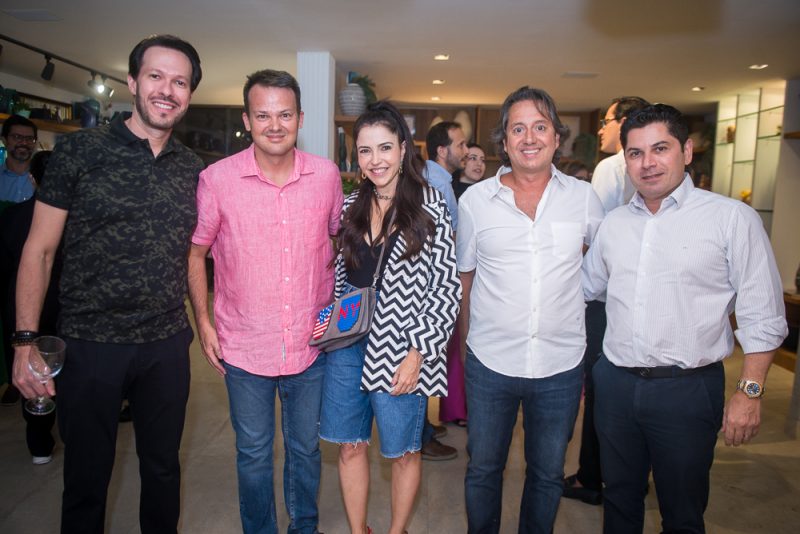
(49,126)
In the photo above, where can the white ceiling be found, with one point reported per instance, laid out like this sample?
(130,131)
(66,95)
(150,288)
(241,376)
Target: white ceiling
(655,49)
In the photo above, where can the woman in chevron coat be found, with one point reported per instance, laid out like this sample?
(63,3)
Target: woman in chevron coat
(388,374)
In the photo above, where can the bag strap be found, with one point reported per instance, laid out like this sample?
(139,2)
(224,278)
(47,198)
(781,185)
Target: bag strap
(386,241)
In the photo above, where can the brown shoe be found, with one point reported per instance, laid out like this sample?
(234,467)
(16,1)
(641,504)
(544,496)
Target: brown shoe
(439,431)
(436,451)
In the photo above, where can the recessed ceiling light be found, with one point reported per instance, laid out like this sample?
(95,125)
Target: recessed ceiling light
(758,66)
(438,82)
(698,88)
(441,57)
(435,98)
(579,74)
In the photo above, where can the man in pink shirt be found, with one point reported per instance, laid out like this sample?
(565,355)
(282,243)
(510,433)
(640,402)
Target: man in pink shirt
(267,214)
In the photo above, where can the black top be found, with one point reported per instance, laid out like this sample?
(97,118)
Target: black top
(127,234)
(368,261)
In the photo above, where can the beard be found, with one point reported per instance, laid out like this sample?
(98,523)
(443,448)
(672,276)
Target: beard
(21,153)
(153,120)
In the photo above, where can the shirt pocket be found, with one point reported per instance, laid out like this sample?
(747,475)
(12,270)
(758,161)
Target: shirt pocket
(567,239)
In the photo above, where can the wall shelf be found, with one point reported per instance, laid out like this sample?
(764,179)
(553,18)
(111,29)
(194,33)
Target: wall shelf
(49,126)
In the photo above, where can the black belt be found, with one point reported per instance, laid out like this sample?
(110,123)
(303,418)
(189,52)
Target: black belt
(669,371)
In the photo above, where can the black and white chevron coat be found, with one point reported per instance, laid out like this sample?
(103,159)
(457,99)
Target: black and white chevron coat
(417,307)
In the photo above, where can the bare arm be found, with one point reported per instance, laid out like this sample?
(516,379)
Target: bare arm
(198,295)
(33,278)
(742,417)
(463,317)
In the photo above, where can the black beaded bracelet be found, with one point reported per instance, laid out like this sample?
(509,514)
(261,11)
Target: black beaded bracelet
(23,337)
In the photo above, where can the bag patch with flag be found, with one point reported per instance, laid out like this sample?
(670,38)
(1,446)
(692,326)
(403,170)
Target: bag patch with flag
(323,318)
(348,312)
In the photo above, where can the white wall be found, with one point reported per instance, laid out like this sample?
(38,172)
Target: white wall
(786,215)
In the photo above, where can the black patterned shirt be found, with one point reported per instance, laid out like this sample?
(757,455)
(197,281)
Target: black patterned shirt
(127,234)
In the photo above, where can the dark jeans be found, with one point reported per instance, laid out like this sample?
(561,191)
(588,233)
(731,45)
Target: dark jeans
(669,424)
(38,431)
(589,460)
(252,404)
(95,378)
(549,408)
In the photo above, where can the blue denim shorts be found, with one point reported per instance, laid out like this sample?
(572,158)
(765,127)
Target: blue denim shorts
(347,411)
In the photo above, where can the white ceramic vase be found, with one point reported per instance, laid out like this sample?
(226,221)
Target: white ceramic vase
(352,99)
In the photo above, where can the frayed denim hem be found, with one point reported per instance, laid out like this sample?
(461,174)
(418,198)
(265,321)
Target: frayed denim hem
(344,442)
(393,456)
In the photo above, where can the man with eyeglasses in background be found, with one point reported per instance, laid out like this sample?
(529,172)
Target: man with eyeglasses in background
(19,137)
(16,185)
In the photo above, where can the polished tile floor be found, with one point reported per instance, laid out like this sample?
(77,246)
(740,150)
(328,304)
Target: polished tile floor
(755,489)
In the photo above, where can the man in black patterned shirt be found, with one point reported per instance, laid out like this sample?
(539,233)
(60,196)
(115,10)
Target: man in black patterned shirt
(123,198)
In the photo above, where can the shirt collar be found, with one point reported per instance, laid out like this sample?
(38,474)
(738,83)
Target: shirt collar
(124,134)
(678,197)
(251,169)
(496,185)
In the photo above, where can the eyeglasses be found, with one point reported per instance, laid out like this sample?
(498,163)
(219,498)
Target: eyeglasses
(17,138)
(604,122)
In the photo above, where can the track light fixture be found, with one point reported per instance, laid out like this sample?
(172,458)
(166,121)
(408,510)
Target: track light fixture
(49,68)
(98,87)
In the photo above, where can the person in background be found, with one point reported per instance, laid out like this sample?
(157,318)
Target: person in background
(390,373)
(16,185)
(610,179)
(520,244)
(19,137)
(675,263)
(122,197)
(612,184)
(15,223)
(453,407)
(474,169)
(575,168)
(447,150)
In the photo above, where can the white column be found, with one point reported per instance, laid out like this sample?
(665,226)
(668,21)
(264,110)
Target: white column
(316,75)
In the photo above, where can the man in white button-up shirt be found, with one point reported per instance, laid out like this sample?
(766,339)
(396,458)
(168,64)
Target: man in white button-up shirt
(520,242)
(675,263)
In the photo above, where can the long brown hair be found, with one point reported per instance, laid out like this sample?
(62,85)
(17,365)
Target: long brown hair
(410,219)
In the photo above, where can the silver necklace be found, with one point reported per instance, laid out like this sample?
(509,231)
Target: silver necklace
(379,196)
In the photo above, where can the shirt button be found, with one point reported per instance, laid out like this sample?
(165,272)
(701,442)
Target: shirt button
(283,221)
(286,249)
(281,193)
(286,279)
(286,307)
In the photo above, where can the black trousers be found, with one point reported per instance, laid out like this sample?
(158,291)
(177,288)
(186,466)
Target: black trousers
(589,460)
(670,424)
(95,378)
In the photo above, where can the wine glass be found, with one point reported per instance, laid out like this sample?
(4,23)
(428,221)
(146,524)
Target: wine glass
(45,362)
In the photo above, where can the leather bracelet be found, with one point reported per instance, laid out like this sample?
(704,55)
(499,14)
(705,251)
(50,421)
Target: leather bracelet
(23,337)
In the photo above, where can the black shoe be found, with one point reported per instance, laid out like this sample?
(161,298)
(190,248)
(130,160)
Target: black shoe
(573,491)
(125,414)
(10,396)
(436,451)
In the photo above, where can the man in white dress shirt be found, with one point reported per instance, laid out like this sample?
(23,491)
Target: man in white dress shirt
(610,180)
(520,244)
(676,262)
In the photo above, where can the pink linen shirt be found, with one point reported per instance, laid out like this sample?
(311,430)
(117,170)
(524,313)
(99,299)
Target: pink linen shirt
(272,257)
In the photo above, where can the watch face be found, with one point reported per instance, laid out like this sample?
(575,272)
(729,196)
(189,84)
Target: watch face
(752,389)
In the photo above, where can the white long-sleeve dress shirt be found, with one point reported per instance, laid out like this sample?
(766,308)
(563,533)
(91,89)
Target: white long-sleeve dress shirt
(674,277)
